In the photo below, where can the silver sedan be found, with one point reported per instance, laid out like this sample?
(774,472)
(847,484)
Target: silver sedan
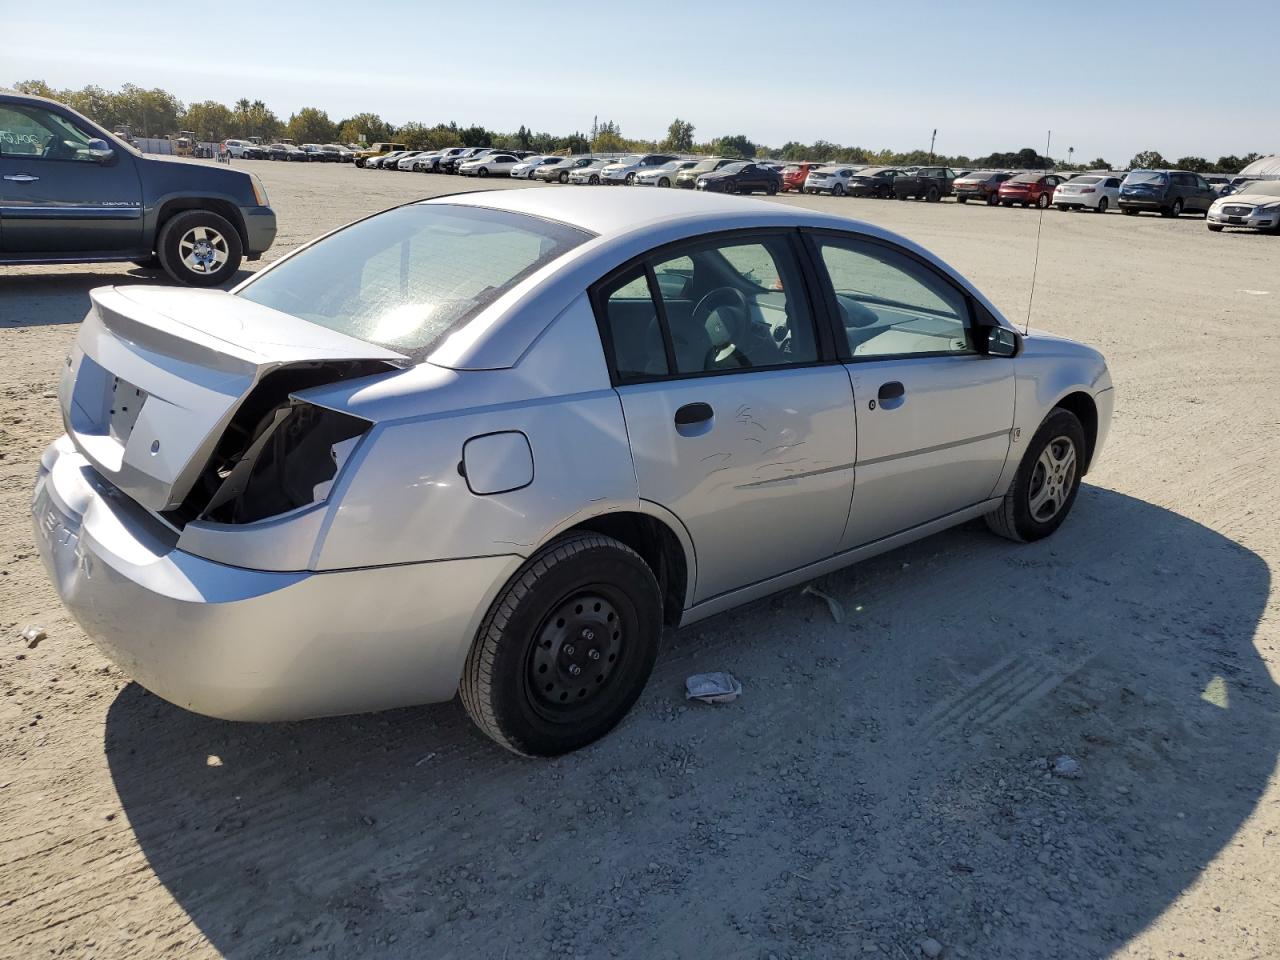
(495,442)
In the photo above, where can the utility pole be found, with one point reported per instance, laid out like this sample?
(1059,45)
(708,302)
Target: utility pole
(1071,152)
(932,140)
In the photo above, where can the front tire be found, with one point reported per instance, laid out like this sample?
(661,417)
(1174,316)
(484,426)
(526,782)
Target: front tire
(566,648)
(564,176)
(664,182)
(199,248)
(1048,479)
(838,190)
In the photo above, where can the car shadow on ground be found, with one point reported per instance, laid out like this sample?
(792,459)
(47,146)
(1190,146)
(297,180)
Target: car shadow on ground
(52,298)
(864,792)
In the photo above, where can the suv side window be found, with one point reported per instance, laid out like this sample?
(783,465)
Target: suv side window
(41,135)
(891,305)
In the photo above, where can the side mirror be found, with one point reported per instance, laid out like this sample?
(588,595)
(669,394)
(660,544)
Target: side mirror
(1001,342)
(100,150)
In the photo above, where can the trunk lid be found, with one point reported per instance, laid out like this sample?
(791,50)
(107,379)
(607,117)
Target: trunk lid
(158,373)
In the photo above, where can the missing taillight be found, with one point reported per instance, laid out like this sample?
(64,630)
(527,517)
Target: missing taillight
(292,464)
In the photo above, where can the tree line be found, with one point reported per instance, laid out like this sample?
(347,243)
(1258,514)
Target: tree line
(158,113)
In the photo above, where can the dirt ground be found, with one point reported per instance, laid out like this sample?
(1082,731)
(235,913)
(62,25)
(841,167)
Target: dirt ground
(880,789)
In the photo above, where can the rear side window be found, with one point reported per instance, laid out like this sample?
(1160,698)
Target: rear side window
(711,307)
(406,278)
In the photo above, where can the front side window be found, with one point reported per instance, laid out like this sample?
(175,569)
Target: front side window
(891,305)
(41,135)
(710,306)
(408,277)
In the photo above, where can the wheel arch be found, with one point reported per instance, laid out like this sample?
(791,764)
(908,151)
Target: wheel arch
(223,208)
(1086,410)
(662,542)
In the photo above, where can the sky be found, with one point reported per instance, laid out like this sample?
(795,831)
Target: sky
(1109,79)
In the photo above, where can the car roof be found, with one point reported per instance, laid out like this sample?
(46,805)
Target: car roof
(610,211)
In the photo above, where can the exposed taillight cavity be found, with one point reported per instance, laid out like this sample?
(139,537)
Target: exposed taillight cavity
(292,463)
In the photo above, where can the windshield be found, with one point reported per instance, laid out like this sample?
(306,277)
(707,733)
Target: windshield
(628,161)
(703,166)
(872,171)
(1260,188)
(1147,176)
(406,278)
(733,167)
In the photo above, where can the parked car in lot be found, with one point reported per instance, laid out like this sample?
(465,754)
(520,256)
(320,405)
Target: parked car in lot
(237,148)
(926,183)
(525,168)
(874,182)
(1170,193)
(337,153)
(794,174)
(490,165)
(1089,191)
(377,150)
(366,466)
(589,172)
(559,172)
(665,175)
(1029,190)
(387,161)
(314,152)
(625,169)
(451,164)
(834,180)
(688,179)
(72,193)
(283,151)
(982,186)
(1256,206)
(741,177)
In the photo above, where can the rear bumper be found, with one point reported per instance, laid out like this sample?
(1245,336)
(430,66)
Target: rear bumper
(1135,203)
(247,644)
(260,230)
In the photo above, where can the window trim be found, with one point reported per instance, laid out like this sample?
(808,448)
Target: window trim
(818,311)
(812,237)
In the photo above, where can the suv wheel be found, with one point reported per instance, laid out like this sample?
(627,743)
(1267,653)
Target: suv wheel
(933,196)
(566,648)
(1045,486)
(1175,210)
(1102,206)
(199,248)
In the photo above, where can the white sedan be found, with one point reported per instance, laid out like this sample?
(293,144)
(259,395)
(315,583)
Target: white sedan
(663,176)
(589,172)
(1256,206)
(833,179)
(490,165)
(1089,191)
(492,443)
(525,169)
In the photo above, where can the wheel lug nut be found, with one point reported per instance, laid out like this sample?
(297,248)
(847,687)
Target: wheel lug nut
(574,669)
(588,635)
(593,654)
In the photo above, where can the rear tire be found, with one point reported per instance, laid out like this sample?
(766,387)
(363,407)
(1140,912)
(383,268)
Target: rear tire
(962,199)
(1173,211)
(1048,479)
(1102,206)
(933,196)
(838,190)
(566,648)
(564,176)
(199,248)
(664,182)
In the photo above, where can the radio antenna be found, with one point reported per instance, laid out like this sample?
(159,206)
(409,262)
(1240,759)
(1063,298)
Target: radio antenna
(1036,265)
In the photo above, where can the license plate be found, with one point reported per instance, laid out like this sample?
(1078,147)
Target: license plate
(1235,219)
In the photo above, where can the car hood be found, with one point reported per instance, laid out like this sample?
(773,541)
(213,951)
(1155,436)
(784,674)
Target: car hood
(1268,200)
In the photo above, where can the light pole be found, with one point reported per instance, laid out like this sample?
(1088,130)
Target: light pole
(932,140)
(1071,152)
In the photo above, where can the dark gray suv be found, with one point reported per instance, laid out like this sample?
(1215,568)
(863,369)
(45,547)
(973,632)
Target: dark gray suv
(1170,193)
(72,193)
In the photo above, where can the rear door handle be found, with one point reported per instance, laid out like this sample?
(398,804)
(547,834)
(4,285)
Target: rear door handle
(694,413)
(891,390)
(21,177)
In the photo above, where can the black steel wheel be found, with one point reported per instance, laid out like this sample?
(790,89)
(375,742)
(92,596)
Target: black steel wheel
(566,648)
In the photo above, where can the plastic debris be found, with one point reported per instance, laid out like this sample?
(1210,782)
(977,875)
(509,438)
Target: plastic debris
(712,687)
(33,635)
(837,611)
(1068,768)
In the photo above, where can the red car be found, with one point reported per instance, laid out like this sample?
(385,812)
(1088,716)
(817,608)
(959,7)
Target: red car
(1029,189)
(794,174)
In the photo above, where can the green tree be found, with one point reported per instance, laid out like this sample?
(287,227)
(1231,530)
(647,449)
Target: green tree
(149,113)
(574,143)
(364,128)
(475,136)
(1194,164)
(1147,159)
(37,88)
(734,146)
(679,137)
(1099,164)
(311,125)
(607,138)
(210,120)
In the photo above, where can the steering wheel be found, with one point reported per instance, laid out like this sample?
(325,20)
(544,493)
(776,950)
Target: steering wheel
(734,321)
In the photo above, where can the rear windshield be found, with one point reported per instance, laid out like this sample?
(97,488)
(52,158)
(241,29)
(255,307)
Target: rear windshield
(408,277)
(1147,176)
(1027,178)
(1086,179)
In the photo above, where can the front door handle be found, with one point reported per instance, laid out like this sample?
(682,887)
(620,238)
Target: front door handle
(21,177)
(891,390)
(692,413)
